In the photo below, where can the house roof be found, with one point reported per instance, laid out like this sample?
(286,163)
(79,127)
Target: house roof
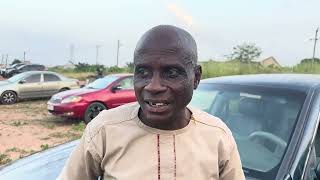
(271,58)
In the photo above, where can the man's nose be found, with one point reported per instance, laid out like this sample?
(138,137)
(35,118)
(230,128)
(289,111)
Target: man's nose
(155,85)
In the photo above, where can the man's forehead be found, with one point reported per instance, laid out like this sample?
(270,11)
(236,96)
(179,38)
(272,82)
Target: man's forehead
(166,38)
(162,60)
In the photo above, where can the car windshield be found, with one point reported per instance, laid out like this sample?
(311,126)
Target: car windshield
(261,120)
(102,82)
(16,77)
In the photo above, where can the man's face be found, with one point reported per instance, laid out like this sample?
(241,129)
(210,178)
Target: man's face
(163,84)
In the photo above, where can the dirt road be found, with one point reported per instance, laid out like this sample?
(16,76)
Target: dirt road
(27,127)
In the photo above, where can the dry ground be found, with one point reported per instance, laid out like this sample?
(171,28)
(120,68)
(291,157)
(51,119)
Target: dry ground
(27,127)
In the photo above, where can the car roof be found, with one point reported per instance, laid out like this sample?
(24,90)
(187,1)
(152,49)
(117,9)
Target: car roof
(120,74)
(36,72)
(302,82)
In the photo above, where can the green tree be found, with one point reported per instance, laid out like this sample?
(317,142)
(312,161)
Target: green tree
(310,60)
(16,61)
(245,52)
(130,67)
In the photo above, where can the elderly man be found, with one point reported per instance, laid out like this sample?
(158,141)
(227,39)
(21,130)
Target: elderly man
(159,137)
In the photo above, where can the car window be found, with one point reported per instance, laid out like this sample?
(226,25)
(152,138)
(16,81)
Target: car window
(33,78)
(261,119)
(50,78)
(23,68)
(38,67)
(102,83)
(126,83)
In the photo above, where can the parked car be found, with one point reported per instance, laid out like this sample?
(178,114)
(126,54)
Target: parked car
(42,165)
(274,119)
(24,68)
(86,103)
(34,84)
(3,70)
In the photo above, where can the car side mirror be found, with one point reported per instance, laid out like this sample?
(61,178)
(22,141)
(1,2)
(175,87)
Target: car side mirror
(116,88)
(22,81)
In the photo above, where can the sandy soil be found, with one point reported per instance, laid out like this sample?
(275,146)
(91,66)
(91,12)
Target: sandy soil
(27,127)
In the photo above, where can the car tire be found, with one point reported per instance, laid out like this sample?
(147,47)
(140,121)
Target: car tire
(93,110)
(63,89)
(9,97)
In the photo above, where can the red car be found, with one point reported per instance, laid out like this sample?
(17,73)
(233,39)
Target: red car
(86,103)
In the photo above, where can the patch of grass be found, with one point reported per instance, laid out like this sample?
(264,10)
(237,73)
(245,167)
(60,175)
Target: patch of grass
(79,127)
(15,149)
(44,147)
(49,125)
(18,123)
(57,135)
(69,135)
(4,159)
(45,138)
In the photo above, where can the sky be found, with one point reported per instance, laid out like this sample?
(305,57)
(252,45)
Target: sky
(49,32)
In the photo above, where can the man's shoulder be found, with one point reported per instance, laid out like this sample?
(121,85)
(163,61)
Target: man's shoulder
(117,116)
(210,122)
(214,126)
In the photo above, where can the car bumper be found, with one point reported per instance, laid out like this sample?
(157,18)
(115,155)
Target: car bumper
(71,110)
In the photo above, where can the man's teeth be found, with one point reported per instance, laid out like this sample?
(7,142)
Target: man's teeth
(157,104)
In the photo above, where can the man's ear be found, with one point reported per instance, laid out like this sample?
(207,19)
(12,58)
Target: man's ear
(197,77)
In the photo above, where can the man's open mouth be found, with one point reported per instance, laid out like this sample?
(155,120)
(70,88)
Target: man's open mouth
(157,104)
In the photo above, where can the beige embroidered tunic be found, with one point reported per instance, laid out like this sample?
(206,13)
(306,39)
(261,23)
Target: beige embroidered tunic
(116,145)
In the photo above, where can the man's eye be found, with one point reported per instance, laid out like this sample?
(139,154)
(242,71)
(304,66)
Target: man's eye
(142,72)
(172,72)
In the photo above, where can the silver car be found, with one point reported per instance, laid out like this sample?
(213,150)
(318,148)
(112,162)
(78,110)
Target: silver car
(34,84)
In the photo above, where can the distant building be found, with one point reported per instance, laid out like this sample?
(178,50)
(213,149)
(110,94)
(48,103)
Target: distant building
(66,66)
(69,66)
(26,62)
(270,61)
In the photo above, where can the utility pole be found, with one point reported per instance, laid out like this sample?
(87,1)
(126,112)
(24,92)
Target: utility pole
(118,48)
(7,61)
(71,53)
(2,58)
(97,53)
(24,56)
(315,44)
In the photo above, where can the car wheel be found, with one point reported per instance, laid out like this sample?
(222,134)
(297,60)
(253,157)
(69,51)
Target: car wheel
(63,89)
(8,97)
(93,110)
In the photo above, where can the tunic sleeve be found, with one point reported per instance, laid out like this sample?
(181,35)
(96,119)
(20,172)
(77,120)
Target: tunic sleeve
(232,168)
(84,162)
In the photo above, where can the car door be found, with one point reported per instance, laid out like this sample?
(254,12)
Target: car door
(123,93)
(30,86)
(51,84)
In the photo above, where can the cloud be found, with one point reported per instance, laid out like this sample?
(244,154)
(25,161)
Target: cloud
(181,14)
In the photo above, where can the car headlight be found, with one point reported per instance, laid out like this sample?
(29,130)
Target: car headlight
(71,99)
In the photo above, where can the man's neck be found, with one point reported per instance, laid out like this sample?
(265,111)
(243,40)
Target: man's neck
(177,122)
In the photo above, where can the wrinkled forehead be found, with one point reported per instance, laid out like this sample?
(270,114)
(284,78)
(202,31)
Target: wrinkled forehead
(167,40)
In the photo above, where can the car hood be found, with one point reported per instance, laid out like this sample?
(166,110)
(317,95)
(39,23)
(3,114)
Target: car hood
(43,165)
(4,83)
(75,92)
